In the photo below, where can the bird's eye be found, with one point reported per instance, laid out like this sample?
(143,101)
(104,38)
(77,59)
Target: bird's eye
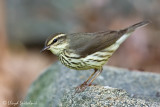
(54,41)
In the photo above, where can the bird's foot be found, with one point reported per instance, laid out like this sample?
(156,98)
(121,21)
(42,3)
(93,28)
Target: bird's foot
(81,87)
(92,84)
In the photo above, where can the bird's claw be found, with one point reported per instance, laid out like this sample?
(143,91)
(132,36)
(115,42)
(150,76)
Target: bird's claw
(81,87)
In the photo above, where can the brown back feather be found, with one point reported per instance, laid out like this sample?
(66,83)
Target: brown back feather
(85,44)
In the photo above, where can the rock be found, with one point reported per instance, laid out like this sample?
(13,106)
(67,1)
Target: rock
(115,87)
(100,96)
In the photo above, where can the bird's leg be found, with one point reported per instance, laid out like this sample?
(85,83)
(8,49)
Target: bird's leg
(83,86)
(95,70)
(100,71)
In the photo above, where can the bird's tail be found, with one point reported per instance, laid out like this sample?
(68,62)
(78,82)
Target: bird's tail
(137,25)
(125,33)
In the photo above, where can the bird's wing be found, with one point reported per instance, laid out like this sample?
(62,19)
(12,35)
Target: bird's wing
(85,44)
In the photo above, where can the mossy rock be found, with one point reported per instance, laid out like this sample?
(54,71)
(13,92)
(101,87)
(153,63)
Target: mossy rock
(115,87)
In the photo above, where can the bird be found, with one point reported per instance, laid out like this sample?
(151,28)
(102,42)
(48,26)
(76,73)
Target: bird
(84,51)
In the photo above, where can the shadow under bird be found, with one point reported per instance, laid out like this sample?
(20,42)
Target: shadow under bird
(83,51)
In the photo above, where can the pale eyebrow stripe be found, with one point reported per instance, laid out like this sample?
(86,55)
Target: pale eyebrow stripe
(57,36)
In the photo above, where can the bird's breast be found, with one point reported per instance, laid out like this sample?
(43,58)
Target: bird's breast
(95,60)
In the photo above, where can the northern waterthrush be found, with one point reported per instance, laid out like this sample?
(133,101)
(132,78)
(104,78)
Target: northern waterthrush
(82,51)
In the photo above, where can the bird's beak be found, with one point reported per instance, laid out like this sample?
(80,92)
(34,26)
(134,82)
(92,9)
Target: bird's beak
(45,48)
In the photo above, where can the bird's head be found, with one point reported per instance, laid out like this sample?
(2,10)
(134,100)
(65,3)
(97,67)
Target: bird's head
(56,43)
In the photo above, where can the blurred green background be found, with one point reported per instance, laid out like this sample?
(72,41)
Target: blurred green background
(25,25)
